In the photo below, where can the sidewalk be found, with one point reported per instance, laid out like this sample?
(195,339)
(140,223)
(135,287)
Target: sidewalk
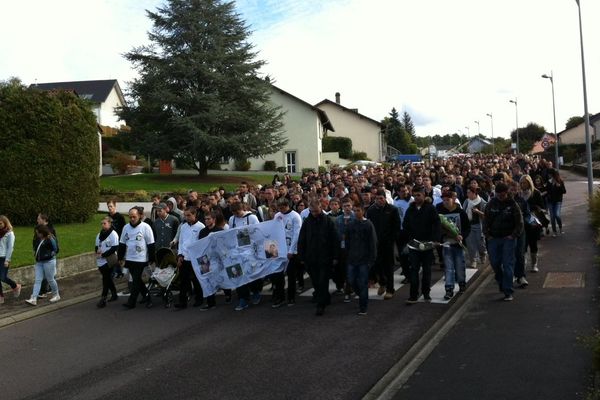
(528,348)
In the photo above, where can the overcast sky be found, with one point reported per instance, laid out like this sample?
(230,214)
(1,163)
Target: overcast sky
(448,63)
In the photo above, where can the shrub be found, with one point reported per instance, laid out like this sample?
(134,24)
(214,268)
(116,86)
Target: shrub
(594,207)
(270,166)
(121,162)
(359,155)
(341,145)
(281,169)
(305,171)
(141,195)
(322,169)
(242,165)
(109,191)
(50,155)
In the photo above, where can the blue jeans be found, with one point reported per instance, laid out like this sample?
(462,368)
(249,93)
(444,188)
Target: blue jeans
(454,266)
(475,243)
(520,255)
(554,209)
(45,269)
(502,258)
(4,276)
(358,278)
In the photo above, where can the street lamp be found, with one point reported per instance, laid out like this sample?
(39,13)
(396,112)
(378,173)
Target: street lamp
(492,122)
(478,127)
(588,144)
(517,118)
(556,163)
(468,132)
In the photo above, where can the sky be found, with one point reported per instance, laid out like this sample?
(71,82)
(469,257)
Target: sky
(447,63)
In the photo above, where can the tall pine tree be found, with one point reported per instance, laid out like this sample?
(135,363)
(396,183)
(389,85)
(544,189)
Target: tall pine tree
(408,126)
(199,95)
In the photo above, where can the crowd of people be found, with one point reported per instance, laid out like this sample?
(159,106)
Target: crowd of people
(353,226)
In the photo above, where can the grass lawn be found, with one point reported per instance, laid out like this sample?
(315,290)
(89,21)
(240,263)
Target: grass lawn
(73,239)
(168,183)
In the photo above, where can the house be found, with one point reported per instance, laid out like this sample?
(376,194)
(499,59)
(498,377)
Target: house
(104,95)
(576,135)
(476,144)
(366,133)
(304,126)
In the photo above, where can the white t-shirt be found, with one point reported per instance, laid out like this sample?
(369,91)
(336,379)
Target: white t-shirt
(247,219)
(105,245)
(188,235)
(137,239)
(292,224)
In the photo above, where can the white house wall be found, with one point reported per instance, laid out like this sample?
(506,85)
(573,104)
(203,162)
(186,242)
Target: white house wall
(106,114)
(302,129)
(574,135)
(364,133)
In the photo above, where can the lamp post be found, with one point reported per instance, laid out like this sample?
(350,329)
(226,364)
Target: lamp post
(517,118)
(492,122)
(478,127)
(588,144)
(556,163)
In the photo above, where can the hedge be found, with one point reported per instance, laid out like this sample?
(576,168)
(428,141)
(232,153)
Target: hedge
(50,155)
(342,145)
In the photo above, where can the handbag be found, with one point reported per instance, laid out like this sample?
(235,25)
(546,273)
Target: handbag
(112,260)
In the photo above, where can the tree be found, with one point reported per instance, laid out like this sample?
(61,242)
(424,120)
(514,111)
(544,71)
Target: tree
(50,155)
(395,134)
(528,136)
(199,95)
(574,121)
(408,126)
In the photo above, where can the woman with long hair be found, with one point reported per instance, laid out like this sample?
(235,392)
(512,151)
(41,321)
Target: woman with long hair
(44,248)
(7,245)
(533,229)
(556,190)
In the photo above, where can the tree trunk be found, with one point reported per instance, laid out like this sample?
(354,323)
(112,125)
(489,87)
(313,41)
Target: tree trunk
(202,168)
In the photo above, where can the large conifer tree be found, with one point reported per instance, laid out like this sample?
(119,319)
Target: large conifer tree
(199,95)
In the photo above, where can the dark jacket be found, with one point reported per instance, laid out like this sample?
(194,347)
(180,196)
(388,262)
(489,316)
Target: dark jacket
(502,218)
(555,191)
(36,241)
(118,223)
(46,250)
(361,242)
(386,221)
(422,224)
(318,243)
(207,231)
(525,210)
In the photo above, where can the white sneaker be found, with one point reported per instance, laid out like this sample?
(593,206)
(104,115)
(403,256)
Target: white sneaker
(535,268)
(55,298)
(522,282)
(32,301)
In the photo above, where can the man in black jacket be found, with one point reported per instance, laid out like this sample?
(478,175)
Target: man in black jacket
(421,223)
(318,249)
(386,220)
(502,224)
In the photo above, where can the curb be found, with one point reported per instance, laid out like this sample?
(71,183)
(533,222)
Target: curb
(391,383)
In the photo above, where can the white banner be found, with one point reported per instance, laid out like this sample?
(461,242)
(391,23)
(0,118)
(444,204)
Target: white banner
(234,257)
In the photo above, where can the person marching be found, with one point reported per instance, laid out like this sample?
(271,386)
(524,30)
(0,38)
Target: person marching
(189,232)
(361,241)
(455,229)
(7,244)
(45,249)
(210,221)
(421,223)
(318,249)
(107,245)
(502,224)
(292,223)
(136,251)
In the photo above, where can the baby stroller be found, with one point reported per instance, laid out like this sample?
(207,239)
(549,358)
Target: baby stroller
(164,278)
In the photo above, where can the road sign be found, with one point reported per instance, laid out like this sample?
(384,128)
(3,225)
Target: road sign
(545,144)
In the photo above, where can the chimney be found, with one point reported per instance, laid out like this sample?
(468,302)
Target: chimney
(337,97)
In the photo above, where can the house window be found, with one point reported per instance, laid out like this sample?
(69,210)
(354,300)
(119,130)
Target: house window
(290,161)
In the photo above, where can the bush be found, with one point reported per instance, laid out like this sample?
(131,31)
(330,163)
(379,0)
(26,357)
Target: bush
(50,155)
(594,207)
(281,169)
(305,171)
(270,166)
(341,145)
(108,191)
(242,165)
(141,195)
(359,155)
(121,162)
(322,169)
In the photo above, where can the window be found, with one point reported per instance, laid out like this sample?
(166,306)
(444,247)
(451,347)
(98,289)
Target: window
(290,161)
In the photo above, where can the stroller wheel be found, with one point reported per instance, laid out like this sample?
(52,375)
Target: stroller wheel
(168,299)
